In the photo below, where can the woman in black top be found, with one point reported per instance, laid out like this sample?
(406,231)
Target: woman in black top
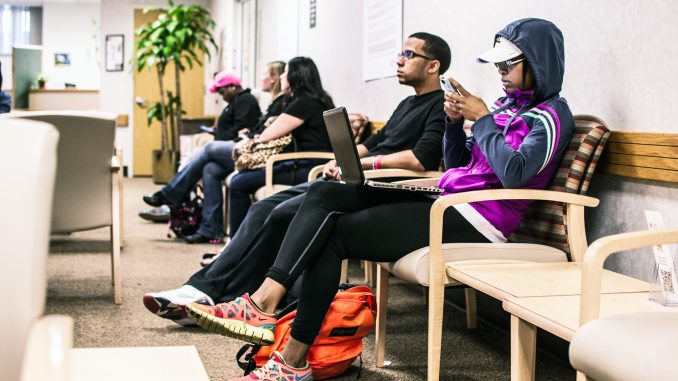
(214,163)
(305,101)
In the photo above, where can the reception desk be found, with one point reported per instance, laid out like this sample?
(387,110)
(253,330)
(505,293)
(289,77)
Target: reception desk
(65,99)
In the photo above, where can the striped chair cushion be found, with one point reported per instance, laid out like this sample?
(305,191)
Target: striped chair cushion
(545,222)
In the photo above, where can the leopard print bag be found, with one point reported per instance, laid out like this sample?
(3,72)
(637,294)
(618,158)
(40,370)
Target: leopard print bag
(253,154)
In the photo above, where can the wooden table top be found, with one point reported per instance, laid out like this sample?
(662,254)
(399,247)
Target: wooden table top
(522,280)
(560,314)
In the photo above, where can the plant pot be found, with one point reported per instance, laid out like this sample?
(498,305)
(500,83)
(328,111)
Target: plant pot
(41,84)
(164,165)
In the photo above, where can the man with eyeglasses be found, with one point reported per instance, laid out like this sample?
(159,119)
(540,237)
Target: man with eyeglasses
(411,139)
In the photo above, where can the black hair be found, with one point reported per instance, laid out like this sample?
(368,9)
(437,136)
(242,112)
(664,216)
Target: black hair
(304,79)
(436,48)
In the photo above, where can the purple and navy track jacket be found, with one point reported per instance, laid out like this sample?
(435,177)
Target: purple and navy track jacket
(521,142)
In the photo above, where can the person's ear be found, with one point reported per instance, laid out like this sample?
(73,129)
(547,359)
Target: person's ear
(433,67)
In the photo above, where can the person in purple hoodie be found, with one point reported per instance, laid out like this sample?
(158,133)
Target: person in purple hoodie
(516,143)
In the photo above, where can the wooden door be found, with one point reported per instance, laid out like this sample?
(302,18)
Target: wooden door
(147,138)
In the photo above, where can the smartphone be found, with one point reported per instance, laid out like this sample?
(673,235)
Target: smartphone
(446,85)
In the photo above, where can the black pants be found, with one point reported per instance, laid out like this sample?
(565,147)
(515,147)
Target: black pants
(337,221)
(243,264)
(244,184)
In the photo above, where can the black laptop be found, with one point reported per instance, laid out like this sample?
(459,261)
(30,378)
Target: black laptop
(345,152)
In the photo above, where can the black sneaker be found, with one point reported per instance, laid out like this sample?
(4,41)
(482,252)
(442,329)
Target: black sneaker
(161,214)
(199,238)
(156,199)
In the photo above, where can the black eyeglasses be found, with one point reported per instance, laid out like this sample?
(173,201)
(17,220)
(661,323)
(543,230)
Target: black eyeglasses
(509,64)
(409,54)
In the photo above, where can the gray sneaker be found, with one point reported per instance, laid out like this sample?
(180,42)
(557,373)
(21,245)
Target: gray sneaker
(160,214)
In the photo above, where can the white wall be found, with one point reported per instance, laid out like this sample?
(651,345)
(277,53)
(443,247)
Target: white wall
(72,29)
(617,63)
(619,66)
(116,92)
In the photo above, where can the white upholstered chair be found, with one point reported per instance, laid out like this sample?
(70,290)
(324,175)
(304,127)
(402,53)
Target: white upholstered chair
(28,153)
(627,347)
(89,177)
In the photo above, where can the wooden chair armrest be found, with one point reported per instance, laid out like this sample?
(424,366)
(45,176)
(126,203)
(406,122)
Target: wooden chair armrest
(47,353)
(395,172)
(604,247)
(315,172)
(290,156)
(513,194)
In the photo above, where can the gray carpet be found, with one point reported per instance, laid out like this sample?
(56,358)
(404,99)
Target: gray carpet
(79,286)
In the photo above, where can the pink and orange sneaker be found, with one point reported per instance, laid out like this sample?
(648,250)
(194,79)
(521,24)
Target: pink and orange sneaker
(239,319)
(276,370)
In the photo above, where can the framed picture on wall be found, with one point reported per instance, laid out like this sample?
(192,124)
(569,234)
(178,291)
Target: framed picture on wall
(115,52)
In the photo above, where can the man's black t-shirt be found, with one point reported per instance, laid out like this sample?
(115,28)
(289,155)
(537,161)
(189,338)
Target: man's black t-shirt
(417,124)
(312,134)
(242,112)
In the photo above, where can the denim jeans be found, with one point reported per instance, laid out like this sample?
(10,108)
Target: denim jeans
(213,164)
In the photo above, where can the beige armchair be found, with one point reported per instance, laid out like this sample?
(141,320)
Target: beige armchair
(629,347)
(89,177)
(28,151)
(550,232)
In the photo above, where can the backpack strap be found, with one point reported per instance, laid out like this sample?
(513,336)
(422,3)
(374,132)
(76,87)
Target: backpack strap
(245,357)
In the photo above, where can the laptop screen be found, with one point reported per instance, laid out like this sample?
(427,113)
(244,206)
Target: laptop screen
(343,144)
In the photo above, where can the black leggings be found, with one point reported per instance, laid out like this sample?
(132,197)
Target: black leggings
(339,221)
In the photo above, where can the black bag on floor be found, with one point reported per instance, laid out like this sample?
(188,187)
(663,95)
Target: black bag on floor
(185,217)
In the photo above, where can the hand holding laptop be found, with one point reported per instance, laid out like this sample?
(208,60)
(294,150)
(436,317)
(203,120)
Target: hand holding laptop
(331,170)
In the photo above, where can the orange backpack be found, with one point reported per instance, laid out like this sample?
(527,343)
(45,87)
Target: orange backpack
(339,342)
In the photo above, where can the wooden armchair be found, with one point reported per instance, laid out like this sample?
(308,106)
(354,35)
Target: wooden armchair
(632,346)
(550,232)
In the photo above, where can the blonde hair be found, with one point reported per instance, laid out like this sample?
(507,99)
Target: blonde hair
(275,69)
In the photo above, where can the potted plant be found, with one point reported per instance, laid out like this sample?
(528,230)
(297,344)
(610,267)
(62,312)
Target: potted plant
(178,35)
(41,79)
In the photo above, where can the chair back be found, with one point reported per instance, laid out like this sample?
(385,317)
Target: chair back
(28,152)
(546,221)
(82,194)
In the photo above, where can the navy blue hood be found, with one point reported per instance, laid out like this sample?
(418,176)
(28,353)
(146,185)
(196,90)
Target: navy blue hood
(542,44)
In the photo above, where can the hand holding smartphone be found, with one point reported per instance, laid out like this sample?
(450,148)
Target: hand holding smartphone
(446,85)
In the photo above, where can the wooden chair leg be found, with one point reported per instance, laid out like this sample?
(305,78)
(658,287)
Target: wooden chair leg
(471,307)
(115,241)
(121,179)
(368,270)
(343,278)
(436,301)
(523,349)
(382,306)
(225,210)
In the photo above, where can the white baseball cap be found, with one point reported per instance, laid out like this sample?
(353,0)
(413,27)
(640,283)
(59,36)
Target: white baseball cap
(503,50)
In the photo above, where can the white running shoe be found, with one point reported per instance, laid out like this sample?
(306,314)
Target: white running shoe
(171,304)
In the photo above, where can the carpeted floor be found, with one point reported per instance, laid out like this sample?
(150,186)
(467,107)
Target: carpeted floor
(79,286)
